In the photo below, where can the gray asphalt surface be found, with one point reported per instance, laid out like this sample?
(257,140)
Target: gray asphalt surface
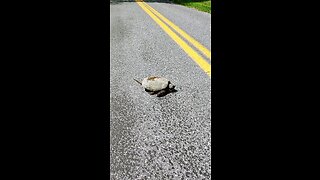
(151,137)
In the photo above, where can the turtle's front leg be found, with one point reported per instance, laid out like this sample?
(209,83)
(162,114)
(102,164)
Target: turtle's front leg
(161,93)
(150,92)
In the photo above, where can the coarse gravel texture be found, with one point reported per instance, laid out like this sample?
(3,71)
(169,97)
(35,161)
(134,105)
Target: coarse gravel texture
(156,137)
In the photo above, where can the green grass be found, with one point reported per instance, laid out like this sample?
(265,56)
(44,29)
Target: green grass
(201,5)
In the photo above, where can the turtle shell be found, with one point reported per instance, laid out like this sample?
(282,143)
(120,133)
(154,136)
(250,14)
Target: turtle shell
(155,83)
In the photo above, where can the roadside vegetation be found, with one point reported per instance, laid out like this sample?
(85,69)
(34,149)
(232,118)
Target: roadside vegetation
(201,5)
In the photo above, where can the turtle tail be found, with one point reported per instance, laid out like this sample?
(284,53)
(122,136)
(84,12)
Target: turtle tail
(138,81)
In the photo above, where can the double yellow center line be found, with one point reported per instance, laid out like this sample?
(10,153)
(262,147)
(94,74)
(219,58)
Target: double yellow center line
(157,17)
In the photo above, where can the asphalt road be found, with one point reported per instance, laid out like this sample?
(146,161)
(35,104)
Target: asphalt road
(158,137)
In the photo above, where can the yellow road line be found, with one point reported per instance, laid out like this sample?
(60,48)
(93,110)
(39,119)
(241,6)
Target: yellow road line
(205,66)
(194,42)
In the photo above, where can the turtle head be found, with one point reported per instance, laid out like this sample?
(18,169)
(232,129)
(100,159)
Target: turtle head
(171,86)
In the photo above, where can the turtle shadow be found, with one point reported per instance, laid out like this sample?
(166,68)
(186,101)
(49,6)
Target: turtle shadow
(162,93)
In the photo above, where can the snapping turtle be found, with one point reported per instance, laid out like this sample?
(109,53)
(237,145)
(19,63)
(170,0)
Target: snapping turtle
(157,85)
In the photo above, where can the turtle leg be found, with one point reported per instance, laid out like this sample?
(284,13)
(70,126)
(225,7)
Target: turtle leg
(150,92)
(161,93)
